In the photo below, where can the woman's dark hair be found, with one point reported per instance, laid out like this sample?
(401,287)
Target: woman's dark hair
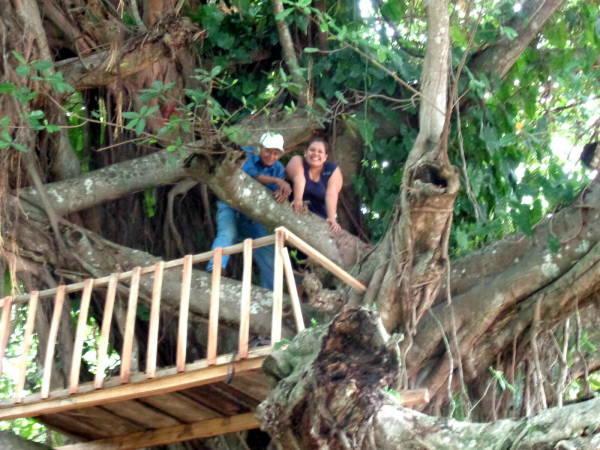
(320,139)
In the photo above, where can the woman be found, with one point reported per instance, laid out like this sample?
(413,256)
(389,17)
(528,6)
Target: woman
(316,182)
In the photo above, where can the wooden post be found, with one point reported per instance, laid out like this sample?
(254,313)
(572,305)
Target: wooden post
(154,320)
(213,315)
(27,338)
(277,288)
(291,283)
(127,352)
(84,307)
(109,306)
(5,328)
(184,306)
(245,300)
(59,301)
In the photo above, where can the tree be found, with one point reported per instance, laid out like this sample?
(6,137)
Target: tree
(472,312)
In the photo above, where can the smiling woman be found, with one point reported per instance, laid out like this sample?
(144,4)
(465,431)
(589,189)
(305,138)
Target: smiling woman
(317,182)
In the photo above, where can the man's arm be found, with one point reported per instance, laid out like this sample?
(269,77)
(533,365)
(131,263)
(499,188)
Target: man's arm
(283,187)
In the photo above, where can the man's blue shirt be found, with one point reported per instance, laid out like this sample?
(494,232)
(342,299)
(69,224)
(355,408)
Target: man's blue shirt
(255,167)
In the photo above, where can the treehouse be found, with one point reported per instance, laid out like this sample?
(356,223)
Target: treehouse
(159,405)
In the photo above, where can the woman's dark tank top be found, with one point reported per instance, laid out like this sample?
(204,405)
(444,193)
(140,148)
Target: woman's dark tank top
(314,191)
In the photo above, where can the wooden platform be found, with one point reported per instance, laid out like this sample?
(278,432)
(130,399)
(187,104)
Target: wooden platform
(213,396)
(203,401)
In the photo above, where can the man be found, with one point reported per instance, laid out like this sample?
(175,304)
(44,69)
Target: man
(233,226)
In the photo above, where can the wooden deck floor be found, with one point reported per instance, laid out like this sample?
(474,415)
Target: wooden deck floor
(203,401)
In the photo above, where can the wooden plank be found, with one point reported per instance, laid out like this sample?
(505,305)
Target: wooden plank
(86,295)
(181,407)
(109,306)
(291,283)
(97,422)
(103,281)
(222,402)
(59,300)
(140,378)
(180,433)
(414,397)
(27,338)
(253,383)
(5,328)
(129,335)
(122,392)
(184,307)
(245,300)
(147,417)
(213,314)
(154,320)
(277,288)
(322,260)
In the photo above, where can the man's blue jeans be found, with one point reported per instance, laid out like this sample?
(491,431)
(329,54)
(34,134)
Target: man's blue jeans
(233,227)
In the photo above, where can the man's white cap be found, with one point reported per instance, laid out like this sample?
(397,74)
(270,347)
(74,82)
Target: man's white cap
(272,140)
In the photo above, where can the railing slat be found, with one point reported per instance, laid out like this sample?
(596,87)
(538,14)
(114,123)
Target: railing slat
(322,260)
(59,301)
(184,307)
(154,320)
(126,354)
(291,283)
(277,288)
(103,281)
(86,296)
(213,315)
(245,300)
(5,328)
(109,306)
(27,338)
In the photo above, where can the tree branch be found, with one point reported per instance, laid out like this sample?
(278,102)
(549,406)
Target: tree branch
(573,426)
(289,54)
(498,59)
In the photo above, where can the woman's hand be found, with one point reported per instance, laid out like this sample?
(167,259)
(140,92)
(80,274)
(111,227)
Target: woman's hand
(298,206)
(334,227)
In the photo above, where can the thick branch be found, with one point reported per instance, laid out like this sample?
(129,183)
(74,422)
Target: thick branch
(289,54)
(136,56)
(574,426)
(499,59)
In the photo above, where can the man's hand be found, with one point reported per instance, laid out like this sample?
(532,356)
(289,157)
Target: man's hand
(283,193)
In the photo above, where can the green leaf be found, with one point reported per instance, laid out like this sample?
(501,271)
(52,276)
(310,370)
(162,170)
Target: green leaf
(140,126)
(131,114)
(19,147)
(19,57)
(52,128)
(311,50)
(42,66)
(283,14)
(7,88)
(393,10)
(23,70)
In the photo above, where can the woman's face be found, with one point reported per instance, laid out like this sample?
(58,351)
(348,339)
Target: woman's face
(316,155)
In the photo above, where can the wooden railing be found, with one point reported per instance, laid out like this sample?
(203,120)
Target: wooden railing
(86,288)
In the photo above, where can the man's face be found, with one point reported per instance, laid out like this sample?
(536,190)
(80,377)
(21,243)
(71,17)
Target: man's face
(269,156)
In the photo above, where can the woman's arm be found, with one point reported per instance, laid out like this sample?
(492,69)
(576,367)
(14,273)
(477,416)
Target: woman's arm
(334,186)
(295,172)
